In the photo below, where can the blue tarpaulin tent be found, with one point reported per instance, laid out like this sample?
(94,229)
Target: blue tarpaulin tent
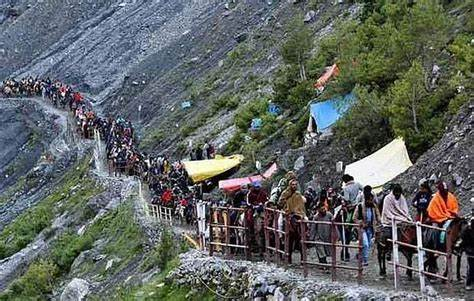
(185,104)
(326,113)
(256,124)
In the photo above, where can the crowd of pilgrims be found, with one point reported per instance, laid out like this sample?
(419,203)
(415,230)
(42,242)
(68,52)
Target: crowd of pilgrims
(168,181)
(171,186)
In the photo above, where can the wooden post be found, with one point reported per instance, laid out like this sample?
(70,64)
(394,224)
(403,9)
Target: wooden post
(395,253)
(211,246)
(303,248)
(266,233)
(333,251)
(421,256)
(277,236)
(247,241)
(227,250)
(287,238)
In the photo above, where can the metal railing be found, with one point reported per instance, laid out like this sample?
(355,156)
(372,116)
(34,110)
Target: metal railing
(274,235)
(334,265)
(421,251)
(226,236)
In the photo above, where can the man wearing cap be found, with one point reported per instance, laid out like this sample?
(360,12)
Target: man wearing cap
(257,196)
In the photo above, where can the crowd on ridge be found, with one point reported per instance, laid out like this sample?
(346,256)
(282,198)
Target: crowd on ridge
(171,186)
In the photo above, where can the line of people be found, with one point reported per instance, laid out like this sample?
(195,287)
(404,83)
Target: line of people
(171,187)
(168,182)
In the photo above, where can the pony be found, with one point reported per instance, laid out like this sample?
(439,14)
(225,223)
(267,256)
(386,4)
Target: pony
(406,234)
(432,241)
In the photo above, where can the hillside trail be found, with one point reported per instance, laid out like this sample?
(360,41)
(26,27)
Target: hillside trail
(65,145)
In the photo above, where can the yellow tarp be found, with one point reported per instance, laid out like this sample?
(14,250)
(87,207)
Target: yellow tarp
(205,169)
(382,166)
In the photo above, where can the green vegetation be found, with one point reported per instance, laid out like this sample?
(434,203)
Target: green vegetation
(124,240)
(73,192)
(387,58)
(164,257)
(36,284)
(242,120)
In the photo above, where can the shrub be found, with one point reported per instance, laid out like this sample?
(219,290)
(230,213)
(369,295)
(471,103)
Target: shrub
(36,283)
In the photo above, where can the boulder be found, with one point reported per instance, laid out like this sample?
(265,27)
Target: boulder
(309,16)
(76,290)
(299,163)
(241,37)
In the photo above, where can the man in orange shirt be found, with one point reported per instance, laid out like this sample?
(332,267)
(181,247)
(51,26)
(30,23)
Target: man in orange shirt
(443,206)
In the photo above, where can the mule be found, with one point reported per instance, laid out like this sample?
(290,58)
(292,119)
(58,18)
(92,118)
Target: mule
(406,234)
(432,241)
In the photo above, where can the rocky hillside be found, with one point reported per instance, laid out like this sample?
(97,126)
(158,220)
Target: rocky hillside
(69,230)
(156,55)
(451,159)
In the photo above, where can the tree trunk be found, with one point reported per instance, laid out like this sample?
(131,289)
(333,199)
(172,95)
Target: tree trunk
(413,110)
(302,70)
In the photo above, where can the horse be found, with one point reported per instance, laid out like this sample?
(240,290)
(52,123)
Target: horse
(432,241)
(406,234)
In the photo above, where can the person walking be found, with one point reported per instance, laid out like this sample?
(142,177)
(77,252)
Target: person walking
(368,215)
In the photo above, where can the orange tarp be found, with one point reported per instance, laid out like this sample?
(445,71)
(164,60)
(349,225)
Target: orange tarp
(322,81)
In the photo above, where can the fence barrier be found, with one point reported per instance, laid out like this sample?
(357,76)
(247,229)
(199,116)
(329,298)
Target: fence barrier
(275,235)
(334,245)
(161,213)
(421,251)
(225,232)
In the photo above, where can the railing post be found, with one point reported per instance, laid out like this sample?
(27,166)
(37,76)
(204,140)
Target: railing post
(395,253)
(359,270)
(247,240)
(211,246)
(266,233)
(276,234)
(421,256)
(227,250)
(333,250)
(303,247)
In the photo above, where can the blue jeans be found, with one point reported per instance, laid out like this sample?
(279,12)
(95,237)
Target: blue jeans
(367,243)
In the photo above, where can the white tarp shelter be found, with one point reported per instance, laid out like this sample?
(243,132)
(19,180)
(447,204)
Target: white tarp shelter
(382,166)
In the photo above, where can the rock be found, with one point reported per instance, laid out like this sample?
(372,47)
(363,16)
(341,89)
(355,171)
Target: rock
(241,37)
(109,264)
(457,179)
(76,290)
(299,163)
(237,83)
(309,16)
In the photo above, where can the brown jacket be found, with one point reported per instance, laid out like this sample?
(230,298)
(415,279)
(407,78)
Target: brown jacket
(293,202)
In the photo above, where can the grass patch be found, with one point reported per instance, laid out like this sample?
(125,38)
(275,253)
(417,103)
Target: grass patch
(165,257)
(124,240)
(28,225)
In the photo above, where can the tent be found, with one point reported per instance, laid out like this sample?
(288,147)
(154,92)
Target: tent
(231,185)
(205,169)
(256,124)
(325,114)
(327,75)
(382,166)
